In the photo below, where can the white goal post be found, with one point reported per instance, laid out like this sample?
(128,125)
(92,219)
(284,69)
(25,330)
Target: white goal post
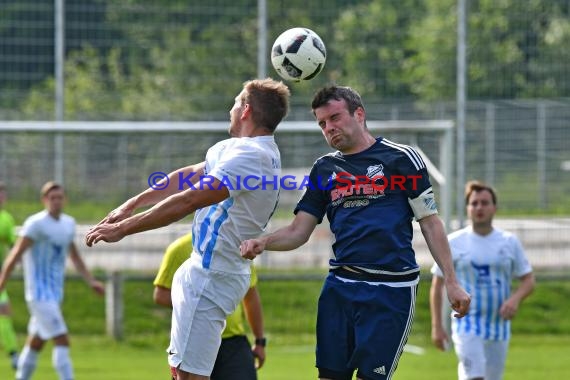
(440,171)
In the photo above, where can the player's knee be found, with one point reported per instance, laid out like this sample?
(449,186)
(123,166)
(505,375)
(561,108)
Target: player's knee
(36,343)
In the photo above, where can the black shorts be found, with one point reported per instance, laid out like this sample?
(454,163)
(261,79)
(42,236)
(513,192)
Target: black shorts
(234,361)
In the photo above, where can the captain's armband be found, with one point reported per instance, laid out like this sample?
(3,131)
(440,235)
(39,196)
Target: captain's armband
(424,205)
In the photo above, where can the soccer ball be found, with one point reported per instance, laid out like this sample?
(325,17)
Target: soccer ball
(298,54)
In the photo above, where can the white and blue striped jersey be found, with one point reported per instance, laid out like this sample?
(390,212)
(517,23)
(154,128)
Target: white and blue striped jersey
(44,262)
(485,267)
(250,168)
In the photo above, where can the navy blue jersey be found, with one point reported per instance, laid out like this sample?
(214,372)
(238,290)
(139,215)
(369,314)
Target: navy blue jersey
(365,196)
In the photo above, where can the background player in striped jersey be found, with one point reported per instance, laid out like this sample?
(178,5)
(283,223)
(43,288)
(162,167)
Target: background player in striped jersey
(45,241)
(485,259)
(366,306)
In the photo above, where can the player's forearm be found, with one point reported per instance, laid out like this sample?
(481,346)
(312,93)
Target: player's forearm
(81,268)
(434,234)
(178,181)
(149,197)
(161,296)
(525,288)
(285,239)
(4,275)
(12,259)
(254,313)
(293,236)
(7,268)
(436,304)
(158,216)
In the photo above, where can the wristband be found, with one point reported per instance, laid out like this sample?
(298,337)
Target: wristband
(261,342)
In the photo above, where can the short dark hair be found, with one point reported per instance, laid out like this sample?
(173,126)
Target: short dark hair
(269,100)
(326,94)
(477,186)
(49,186)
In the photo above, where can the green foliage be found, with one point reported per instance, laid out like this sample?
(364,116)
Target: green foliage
(431,70)
(184,61)
(510,49)
(371,41)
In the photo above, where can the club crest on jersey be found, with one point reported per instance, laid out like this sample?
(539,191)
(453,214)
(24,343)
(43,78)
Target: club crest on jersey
(375,171)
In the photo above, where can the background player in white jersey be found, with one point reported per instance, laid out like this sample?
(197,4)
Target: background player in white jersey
(370,189)
(45,241)
(485,259)
(233,196)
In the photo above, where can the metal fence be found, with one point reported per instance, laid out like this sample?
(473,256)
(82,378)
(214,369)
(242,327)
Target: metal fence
(165,60)
(521,147)
(184,61)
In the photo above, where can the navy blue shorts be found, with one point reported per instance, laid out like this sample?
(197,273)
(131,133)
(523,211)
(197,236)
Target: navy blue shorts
(363,327)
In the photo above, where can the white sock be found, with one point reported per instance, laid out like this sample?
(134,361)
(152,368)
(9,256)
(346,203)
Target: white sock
(26,363)
(62,362)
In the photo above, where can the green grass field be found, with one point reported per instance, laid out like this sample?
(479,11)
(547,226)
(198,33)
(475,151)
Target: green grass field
(95,357)
(539,349)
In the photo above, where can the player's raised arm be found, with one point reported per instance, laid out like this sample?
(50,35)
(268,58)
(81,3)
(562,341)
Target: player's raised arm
(168,211)
(177,181)
(284,239)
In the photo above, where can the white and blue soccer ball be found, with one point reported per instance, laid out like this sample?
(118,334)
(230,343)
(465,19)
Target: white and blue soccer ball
(298,54)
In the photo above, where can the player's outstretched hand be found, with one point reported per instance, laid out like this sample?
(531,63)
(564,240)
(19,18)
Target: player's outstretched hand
(458,298)
(98,287)
(103,232)
(251,248)
(439,338)
(509,308)
(120,213)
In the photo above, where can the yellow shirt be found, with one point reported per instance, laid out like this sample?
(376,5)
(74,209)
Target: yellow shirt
(178,252)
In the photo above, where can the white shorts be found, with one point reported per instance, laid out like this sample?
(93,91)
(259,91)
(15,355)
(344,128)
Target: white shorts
(479,357)
(201,301)
(46,320)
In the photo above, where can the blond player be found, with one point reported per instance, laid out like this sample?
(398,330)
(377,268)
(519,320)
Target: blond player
(209,286)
